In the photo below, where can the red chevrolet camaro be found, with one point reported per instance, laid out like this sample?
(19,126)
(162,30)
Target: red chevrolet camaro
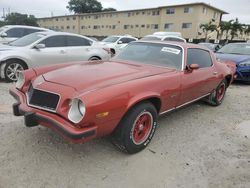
(123,96)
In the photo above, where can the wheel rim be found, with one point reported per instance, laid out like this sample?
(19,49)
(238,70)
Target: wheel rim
(220,92)
(12,70)
(142,128)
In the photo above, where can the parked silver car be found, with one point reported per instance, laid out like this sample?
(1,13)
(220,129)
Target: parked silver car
(45,48)
(10,33)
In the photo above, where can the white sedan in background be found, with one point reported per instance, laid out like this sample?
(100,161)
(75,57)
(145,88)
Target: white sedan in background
(116,43)
(45,48)
(10,33)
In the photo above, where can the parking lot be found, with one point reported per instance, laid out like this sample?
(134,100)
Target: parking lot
(197,146)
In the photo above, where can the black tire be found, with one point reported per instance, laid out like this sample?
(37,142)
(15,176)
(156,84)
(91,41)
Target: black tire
(95,58)
(112,52)
(217,97)
(11,68)
(126,136)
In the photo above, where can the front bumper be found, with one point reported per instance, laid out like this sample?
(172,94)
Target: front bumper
(243,74)
(34,117)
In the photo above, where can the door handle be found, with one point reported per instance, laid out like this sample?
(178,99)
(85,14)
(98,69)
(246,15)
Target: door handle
(215,73)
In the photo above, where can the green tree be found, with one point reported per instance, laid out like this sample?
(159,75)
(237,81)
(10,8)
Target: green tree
(108,9)
(236,28)
(208,27)
(20,19)
(225,27)
(84,6)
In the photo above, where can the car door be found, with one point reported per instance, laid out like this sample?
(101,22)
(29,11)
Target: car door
(53,53)
(78,48)
(200,82)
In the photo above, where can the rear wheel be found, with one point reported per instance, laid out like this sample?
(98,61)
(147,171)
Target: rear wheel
(11,69)
(94,58)
(136,129)
(216,98)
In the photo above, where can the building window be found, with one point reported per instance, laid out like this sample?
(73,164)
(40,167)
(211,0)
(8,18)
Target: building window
(142,26)
(102,26)
(95,27)
(169,26)
(62,27)
(143,13)
(188,10)
(215,15)
(170,10)
(148,26)
(56,19)
(74,18)
(113,26)
(149,13)
(136,25)
(126,26)
(67,18)
(131,26)
(74,27)
(154,13)
(89,26)
(129,14)
(186,25)
(154,26)
(68,27)
(82,17)
(204,10)
(137,13)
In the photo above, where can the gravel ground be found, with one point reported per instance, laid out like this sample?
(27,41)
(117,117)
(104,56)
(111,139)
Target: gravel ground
(197,146)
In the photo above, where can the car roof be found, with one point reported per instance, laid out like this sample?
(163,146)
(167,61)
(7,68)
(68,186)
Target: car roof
(182,44)
(128,36)
(24,26)
(53,33)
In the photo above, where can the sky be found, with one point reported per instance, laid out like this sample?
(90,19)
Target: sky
(46,8)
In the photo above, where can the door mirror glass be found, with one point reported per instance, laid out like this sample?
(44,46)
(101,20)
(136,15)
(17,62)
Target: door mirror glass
(3,35)
(39,46)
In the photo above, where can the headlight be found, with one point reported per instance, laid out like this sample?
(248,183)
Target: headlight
(77,110)
(20,80)
(245,64)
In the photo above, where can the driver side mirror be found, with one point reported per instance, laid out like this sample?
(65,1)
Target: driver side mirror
(120,42)
(3,35)
(39,46)
(193,67)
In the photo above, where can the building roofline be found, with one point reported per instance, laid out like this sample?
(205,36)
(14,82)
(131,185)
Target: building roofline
(143,9)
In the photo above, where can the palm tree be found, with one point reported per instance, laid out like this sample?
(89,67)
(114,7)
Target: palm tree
(225,27)
(236,28)
(208,27)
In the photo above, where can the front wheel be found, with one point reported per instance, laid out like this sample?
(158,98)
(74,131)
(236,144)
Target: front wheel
(11,69)
(216,98)
(136,129)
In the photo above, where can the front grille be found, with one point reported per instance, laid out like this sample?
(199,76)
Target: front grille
(245,74)
(42,99)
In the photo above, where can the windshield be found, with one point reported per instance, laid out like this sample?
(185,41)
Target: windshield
(110,39)
(153,54)
(150,38)
(27,40)
(236,48)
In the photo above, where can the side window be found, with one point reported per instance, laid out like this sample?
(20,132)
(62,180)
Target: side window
(124,40)
(77,41)
(54,41)
(130,40)
(29,31)
(15,32)
(200,57)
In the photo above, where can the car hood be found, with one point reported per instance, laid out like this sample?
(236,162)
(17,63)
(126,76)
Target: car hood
(4,47)
(233,57)
(96,75)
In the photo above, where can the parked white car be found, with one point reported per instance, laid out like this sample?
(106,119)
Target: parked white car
(10,33)
(116,42)
(164,38)
(45,48)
